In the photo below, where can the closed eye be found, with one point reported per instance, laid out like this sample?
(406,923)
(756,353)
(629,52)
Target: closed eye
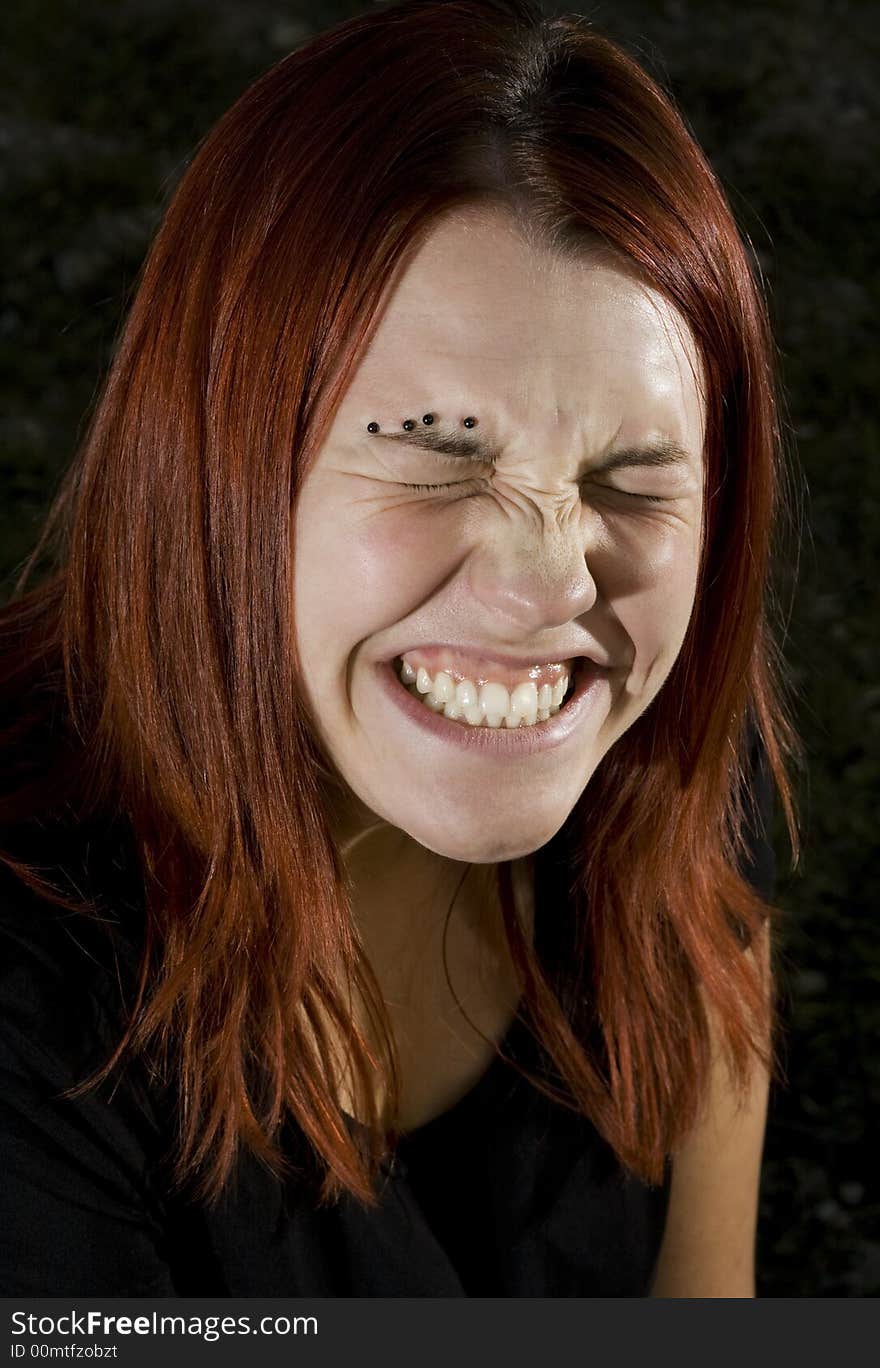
(458,484)
(649,498)
(453,484)
(470,484)
(453,451)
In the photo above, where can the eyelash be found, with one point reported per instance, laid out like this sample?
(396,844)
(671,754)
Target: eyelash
(425,489)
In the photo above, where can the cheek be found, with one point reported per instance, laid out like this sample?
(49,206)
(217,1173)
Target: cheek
(657,607)
(399,560)
(358,573)
(671,568)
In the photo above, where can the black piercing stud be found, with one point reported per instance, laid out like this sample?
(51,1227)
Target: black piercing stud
(372,427)
(470,422)
(409,424)
(428,418)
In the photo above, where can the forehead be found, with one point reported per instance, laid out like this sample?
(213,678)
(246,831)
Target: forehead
(479,314)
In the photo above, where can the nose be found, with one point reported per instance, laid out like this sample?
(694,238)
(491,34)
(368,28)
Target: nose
(536,583)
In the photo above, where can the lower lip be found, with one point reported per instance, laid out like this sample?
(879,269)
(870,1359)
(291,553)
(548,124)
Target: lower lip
(500,740)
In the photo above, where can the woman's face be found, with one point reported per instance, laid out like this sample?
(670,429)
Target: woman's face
(541,556)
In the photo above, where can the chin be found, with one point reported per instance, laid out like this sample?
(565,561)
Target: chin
(487,849)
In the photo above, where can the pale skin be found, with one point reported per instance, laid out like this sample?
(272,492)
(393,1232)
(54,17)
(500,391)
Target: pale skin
(562,362)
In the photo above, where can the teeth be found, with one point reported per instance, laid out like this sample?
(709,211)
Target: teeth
(443,688)
(492,705)
(495,702)
(524,701)
(466,694)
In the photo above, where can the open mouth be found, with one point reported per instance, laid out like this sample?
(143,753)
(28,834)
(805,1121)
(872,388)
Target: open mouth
(475,704)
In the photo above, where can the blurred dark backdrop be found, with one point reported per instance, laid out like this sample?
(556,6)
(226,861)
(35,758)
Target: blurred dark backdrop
(102,106)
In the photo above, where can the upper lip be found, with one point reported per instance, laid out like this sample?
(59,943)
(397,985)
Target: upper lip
(518,662)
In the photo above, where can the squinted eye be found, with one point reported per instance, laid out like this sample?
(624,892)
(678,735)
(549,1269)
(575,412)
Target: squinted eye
(427,488)
(628,494)
(459,484)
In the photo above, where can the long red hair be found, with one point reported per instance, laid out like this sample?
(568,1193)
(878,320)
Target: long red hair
(152,676)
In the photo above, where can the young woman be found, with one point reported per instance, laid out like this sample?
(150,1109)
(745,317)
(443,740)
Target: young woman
(389,754)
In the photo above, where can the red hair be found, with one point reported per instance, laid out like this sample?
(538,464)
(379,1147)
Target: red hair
(154,675)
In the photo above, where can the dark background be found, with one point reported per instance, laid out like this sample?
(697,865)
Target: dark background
(101,107)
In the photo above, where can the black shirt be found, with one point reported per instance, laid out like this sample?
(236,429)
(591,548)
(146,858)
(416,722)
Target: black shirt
(505,1194)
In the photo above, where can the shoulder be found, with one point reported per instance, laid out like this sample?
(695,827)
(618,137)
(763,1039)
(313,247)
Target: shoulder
(709,1242)
(82,1201)
(708,1247)
(54,971)
(65,981)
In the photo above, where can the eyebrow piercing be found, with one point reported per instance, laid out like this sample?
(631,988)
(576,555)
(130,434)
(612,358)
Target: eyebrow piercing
(409,423)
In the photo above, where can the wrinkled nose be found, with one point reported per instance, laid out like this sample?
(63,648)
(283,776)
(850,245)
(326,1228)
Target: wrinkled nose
(535,586)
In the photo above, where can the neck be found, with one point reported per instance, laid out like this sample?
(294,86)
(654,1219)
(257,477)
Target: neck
(401,895)
(401,892)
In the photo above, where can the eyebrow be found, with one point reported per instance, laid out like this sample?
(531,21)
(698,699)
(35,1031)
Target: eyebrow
(657,453)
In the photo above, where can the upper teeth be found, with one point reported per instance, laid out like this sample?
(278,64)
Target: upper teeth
(492,702)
